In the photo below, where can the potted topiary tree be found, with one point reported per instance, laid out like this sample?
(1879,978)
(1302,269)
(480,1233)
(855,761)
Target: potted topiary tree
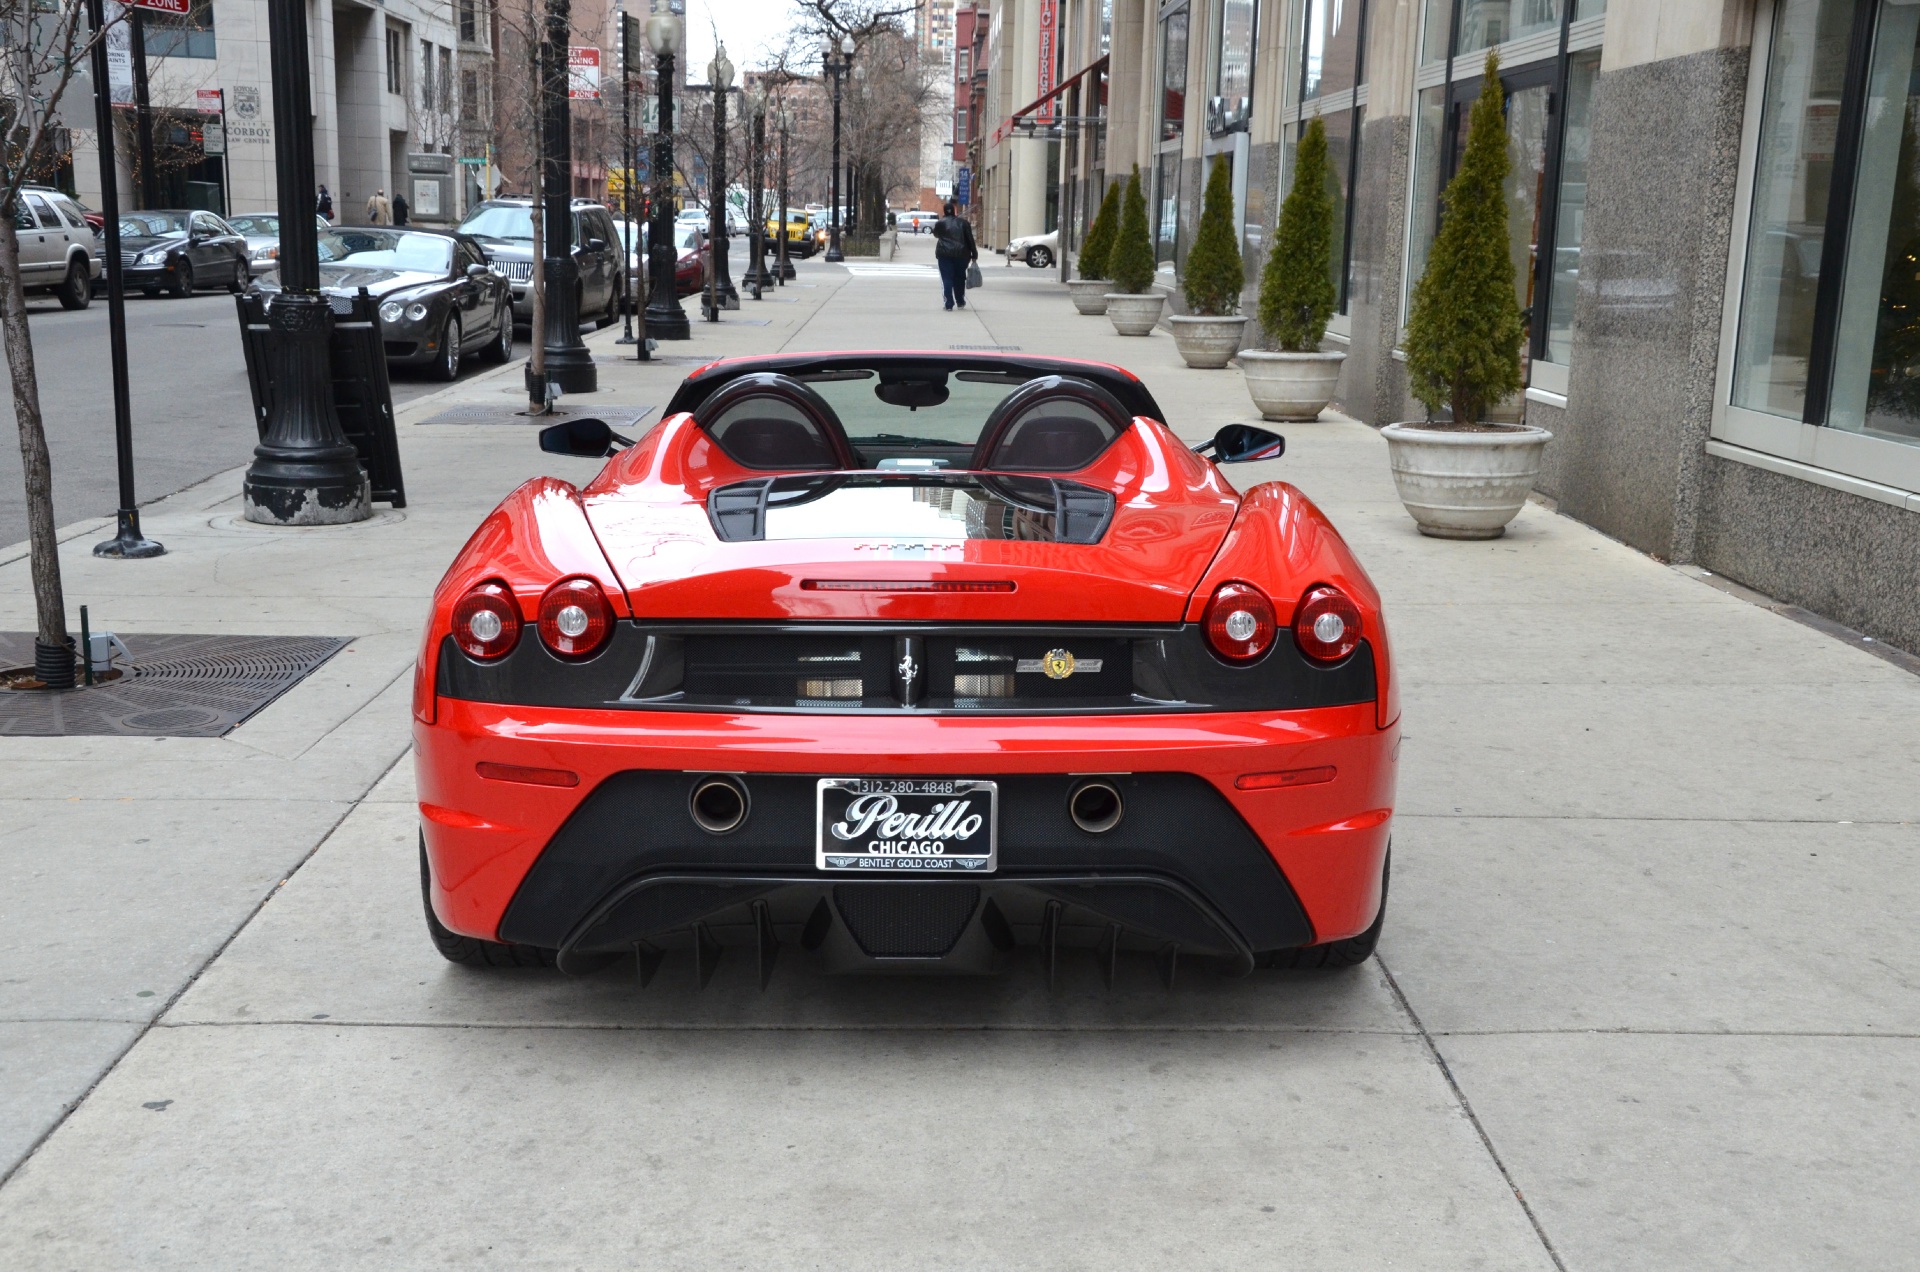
(1133,307)
(1295,380)
(1090,289)
(1464,477)
(1209,334)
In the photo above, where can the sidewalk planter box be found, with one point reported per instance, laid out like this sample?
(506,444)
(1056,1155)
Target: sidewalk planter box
(1207,343)
(1291,386)
(1089,294)
(1464,485)
(1134,315)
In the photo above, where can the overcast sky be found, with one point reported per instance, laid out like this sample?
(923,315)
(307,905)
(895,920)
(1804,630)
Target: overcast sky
(751,30)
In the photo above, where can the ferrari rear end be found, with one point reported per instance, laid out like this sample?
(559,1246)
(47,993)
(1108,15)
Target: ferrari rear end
(781,678)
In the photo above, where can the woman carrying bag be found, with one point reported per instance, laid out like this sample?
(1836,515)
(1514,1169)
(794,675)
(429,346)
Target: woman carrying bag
(954,249)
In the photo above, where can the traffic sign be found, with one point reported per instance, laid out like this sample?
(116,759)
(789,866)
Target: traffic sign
(179,8)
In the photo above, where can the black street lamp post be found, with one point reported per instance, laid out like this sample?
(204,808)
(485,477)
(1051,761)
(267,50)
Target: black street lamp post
(128,542)
(836,69)
(570,367)
(665,319)
(304,471)
(720,292)
(786,130)
(630,246)
(757,276)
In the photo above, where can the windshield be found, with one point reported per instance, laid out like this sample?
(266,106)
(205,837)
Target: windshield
(145,223)
(686,237)
(501,221)
(255,224)
(387,249)
(971,397)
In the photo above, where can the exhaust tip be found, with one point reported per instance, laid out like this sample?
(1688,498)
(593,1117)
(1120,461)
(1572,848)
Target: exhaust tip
(718,804)
(1096,807)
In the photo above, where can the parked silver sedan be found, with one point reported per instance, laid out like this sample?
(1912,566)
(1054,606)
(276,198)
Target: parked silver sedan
(262,231)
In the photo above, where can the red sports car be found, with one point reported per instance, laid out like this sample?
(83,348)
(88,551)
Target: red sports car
(907,660)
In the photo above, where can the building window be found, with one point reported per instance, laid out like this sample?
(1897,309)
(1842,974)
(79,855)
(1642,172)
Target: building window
(960,126)
(470,96)
(426,75)
(963,65)
(188,34)
(396,61)
(1173,74)
(1166,216)
(1830,315)
(1231,103)
(446,79)
(1547,144)
(469,22)
(1328,48)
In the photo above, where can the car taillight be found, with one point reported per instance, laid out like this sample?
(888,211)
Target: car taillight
(1240,622)
(1326,625)
(575,618)
(486,622)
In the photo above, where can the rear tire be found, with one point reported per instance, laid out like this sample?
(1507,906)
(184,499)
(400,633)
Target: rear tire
(183,280)
(77,291)
(1335,955)
(471,951)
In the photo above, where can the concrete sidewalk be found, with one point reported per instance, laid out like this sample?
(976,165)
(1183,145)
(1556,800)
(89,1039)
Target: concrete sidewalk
(1645,999)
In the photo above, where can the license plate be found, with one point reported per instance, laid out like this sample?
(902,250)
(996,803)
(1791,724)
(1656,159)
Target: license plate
(907,824)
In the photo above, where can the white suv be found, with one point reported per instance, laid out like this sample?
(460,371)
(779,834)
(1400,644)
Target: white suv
(58,250)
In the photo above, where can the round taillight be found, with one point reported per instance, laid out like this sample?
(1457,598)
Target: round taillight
(1326,625)
(486,622)
(575,618)
(1240,622)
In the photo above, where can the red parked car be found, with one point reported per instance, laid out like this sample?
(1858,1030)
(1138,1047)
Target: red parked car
(905,660)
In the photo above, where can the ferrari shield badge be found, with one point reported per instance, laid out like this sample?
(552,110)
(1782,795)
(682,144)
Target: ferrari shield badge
(1058,664)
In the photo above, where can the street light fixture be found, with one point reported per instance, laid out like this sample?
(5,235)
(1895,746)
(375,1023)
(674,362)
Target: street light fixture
(836,69)
(665,319)
(304,471)
(757,276)
(569,366)
(720,292)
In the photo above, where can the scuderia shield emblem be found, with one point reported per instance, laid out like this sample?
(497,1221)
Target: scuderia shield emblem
(1058,664)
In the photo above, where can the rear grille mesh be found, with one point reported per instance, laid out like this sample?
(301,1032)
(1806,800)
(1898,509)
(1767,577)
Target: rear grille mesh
(906,920)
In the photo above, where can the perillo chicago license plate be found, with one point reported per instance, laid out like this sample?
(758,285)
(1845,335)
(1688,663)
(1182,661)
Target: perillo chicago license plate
(907,823)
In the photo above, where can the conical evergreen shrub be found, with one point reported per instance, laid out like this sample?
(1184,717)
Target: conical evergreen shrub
(1131,265)
(1215,273)
(1296,284)
(1098,249)
(1464,327)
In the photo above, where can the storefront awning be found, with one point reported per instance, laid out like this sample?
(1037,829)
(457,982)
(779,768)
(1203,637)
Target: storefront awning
(1022,118)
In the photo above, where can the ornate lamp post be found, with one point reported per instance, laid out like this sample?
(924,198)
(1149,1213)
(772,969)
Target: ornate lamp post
(630,248)
(757,276)
(304,471)
(569,366)
(665,319)
(720,292)
(836,69)
(786,130)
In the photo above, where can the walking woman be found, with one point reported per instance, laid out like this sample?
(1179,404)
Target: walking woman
(953,247)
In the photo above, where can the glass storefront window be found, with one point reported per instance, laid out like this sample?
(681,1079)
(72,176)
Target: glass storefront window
(1173,74)
(1429,115)
(1340,142)
(1233,65)
(1485,23)
(1166,216)
(1799,125)
(1876,367)
(1435,28)
(1331,60)
(1571,218)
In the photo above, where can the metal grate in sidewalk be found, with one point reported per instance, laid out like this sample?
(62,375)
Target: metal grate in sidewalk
(179,686)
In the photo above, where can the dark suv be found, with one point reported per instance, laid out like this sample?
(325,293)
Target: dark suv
(504,229)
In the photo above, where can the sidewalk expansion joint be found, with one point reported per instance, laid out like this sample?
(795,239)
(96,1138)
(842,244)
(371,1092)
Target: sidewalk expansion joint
(1466,1107)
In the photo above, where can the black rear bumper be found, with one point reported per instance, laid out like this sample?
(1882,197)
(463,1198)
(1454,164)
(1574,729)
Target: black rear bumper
(631,869)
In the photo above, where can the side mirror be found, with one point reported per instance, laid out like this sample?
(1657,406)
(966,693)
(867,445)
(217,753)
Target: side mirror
(477,271)
(586,438)
(1243,444)
(596,245)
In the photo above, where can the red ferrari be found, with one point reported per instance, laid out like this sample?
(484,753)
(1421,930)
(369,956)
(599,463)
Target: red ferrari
(905,660)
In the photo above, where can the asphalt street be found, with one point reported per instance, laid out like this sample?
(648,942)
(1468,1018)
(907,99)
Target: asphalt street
(192,413)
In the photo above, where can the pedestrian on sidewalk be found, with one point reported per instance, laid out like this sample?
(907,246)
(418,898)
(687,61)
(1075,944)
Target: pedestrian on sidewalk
(379,211)
(399,209)
(324,204)
(954,249)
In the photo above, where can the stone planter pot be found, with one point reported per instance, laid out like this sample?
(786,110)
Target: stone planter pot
(1134,315)
(1089,294)
(1207,343)
(1291,386)
(1459,485)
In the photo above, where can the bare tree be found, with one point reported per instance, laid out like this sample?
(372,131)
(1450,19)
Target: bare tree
(45,42)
